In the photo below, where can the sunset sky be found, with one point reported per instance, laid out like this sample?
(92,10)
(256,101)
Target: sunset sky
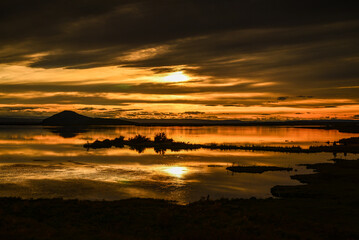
(209,59)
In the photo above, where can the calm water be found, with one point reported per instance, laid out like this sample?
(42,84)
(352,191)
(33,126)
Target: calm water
(51,162)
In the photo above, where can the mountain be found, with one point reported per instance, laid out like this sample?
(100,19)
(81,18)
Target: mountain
(67,118)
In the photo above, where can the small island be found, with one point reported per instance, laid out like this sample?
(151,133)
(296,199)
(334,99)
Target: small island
(161,143)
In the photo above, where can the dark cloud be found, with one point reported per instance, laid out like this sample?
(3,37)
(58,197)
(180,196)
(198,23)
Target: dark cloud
(282,98)
(86,109)
(164,69)
(145,88)
(155,114)
(10,109)
(194,112)
(126,110)
(93,33)
(300,96)
(309,55)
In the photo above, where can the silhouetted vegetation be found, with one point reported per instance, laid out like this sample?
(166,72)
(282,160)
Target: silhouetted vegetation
(139,139)
(117,142)
(139,143)
(256,169)
(161,143)
(350,141)
(162,138)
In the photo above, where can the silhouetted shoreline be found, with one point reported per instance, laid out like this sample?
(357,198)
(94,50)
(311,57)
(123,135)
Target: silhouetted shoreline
(256,169)
(330,181)
(142,142)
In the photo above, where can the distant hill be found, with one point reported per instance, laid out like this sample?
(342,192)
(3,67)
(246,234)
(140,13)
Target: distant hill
(68,118)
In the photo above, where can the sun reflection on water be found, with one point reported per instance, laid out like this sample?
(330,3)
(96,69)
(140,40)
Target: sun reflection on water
(176,171)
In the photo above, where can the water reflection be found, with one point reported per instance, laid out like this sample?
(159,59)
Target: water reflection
(37,162)
(68,131)
(176,171)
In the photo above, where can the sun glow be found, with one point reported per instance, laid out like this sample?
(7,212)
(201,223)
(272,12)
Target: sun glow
(176,171)
(176,77)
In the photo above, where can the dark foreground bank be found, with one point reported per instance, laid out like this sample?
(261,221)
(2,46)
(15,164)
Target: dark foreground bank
(326,208)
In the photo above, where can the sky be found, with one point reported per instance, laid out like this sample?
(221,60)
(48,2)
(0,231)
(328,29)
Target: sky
(208,59)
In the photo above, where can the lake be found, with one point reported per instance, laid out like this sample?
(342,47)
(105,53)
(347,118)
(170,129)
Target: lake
(48,162)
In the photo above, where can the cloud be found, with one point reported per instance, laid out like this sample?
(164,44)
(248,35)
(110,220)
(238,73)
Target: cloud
(10,109)
(282,98)
(92,33)
(86,109)
(194,113)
